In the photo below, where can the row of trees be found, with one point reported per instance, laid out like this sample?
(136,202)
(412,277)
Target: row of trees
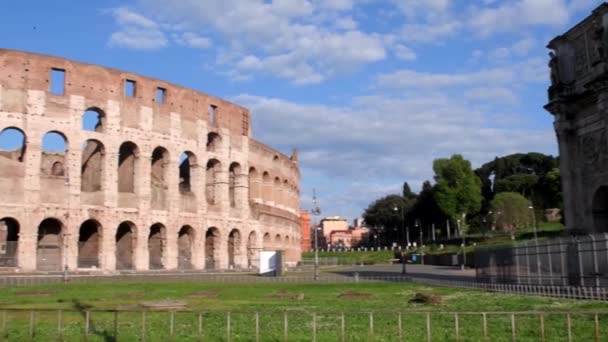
(501,194)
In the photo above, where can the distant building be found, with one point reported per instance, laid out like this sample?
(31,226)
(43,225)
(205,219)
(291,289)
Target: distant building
(305,231)
(358,222)
(331,224)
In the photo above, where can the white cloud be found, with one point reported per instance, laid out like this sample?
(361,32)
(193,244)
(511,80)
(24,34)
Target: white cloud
(405,53)
(192,39)
(136,31)
(515,15)
(492,95)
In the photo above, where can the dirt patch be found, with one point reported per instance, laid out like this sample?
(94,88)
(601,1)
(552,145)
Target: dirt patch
(163,304)
(35,293)
(354,295)
(287,295)
(204,294)
(425,299)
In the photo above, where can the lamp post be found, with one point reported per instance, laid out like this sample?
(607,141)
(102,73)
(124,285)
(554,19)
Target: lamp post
(536,244)
(418,225)
(403,254)
(316,211)
(464,255)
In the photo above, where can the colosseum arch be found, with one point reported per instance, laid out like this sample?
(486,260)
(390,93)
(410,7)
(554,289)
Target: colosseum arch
(212,244)
(12,172)
(286,240)
(128,156)
(157,243)
(213,169)
(277,240)
(49,249)
(276,191)
(253,184)
(233,172)
(285,193)
(92,166)
(214,141)
(9,240)
(267,241)
(89,240)
(251,249)
(187,163)
(125,242)
(93,120)
(158,178)
(234,248)
(53,160)
(266,187)
(185,246)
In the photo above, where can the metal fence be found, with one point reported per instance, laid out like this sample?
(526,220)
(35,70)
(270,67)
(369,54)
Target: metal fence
(179,325)
(567,261)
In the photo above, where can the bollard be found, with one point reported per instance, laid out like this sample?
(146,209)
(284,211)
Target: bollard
(356,277)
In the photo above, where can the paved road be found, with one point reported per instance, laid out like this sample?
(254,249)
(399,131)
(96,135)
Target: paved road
(413,271)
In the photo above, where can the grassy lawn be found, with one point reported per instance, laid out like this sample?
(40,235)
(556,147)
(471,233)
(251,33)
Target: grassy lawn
(299,301)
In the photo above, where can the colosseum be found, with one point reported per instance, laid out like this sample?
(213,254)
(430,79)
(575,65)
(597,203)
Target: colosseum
(105,170)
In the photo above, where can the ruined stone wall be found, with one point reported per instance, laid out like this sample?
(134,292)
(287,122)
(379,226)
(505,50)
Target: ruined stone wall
(166,173)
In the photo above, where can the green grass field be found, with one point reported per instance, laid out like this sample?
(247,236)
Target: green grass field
(299,302)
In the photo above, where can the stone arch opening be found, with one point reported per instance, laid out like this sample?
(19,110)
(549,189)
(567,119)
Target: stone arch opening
(251,249)
(92,165)
(213,169)
(276,191)
(266,187)
(49,248)
(233,172)
(286,240)
(600,210)
(187,161)
(93,120)
(253,184)
(158,178)
(12,145)
(89,244)
(267,241)
(53,158)
(213,142)
(126,240)
(277,240)
(185,246)
(234,248)
(9,242)
(212,242)
(128,155)
(157,246)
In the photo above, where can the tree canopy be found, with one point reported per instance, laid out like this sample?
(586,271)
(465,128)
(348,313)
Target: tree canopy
(511,211)
(457,189)
(387,215)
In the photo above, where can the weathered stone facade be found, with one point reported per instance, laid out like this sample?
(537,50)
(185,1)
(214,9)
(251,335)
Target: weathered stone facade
(164,178)
(578,99)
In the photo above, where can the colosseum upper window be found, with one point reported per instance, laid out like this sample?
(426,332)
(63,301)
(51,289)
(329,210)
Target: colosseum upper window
(57,84)
(53,156)
(130,88)
(213,142)
(12,144)
(92,120)
(160,95)
(212,115)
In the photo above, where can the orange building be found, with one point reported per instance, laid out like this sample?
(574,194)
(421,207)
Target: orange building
(305,231)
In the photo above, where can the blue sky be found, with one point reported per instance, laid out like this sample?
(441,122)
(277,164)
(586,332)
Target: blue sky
(369,91)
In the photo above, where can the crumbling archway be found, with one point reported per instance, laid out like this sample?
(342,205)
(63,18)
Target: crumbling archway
(49,248)
(158,178)
(88,244)
(251,249)
(600,210)
(126,240)
(212,243)
(91,169)
(233,172)
(185,245)
(213,142)
(213,169)
(128,155)
(9,240)
(267,242)
(234,248)
(93,120)
(157,242)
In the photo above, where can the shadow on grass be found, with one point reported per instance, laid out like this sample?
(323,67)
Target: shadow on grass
(106,335)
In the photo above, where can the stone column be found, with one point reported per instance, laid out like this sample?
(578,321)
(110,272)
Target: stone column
(170,248)
(26,248)
(107,258)
(221,190)
(241,194)
(198,247)
(141,256)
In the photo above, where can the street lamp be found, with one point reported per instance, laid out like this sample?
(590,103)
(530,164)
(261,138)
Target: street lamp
(316,211)
(418,224)
(464,255)
(403,254)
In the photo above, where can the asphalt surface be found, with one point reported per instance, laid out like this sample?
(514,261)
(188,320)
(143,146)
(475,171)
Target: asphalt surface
(413,271)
